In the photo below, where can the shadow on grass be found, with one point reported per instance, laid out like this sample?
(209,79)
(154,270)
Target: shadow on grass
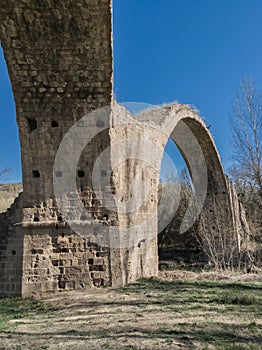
(158,293)
(155,283)
(161,296)
(186,334)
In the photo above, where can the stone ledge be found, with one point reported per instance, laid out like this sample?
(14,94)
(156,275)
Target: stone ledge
(55,224)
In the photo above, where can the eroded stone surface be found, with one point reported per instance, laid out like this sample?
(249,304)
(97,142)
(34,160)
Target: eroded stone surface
(59,57)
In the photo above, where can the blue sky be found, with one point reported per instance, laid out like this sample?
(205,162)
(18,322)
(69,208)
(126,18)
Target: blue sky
(191,51)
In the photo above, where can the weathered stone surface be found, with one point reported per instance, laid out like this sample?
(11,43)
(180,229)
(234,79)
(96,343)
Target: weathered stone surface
(59,57)
(220,210)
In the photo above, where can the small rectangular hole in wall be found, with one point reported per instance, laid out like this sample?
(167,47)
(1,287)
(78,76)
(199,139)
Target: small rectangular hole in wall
(37,251)
(65,250)
(81,173)
(36,173)
(56,250)
(102,268)
(54,124)
(90,261)
(32,123)
(61,285)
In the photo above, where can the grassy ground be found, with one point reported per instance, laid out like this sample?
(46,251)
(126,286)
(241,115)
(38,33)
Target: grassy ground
(151,314)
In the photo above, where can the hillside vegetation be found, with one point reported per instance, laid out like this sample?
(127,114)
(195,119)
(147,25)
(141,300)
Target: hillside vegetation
(8,193)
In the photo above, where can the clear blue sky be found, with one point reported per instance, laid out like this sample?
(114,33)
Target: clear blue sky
(190,51)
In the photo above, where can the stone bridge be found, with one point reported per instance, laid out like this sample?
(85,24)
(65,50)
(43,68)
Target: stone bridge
(59,58)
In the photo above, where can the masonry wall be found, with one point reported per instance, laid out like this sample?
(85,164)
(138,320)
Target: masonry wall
(220,208)
(137,228)
(59,58)
(11,252)
(57,260)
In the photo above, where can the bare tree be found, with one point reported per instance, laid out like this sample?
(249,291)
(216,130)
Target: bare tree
(246,123)
(246,172)
(4,171)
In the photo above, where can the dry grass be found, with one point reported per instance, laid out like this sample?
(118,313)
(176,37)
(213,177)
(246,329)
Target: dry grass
(152,314)
(200,275)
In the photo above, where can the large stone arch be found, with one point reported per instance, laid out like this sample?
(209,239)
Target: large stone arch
(59,57)
(219,208)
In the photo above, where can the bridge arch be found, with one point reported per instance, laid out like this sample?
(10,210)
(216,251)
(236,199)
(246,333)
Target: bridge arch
(215,206)
(59,56)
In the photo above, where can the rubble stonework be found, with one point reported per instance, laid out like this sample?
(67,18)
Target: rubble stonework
(59,58)
(56,52)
